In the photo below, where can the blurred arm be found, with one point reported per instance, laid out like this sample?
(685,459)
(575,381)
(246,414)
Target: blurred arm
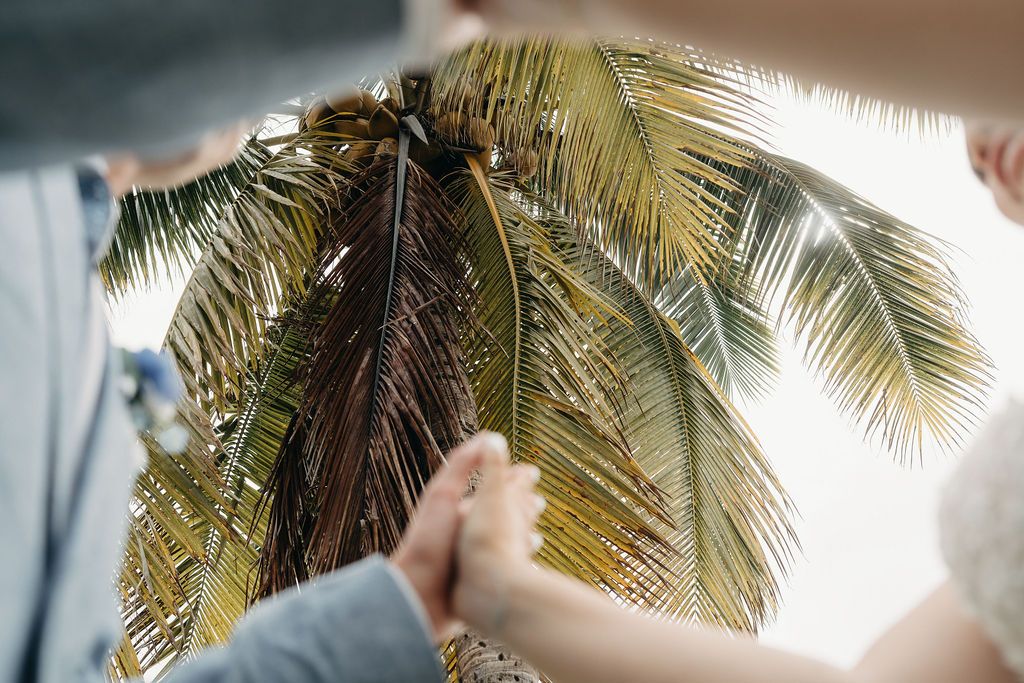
(936,641)
(359,624)
(961,57)
(575,634)
(151,77)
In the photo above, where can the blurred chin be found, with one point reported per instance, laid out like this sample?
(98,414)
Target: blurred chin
(1011,206)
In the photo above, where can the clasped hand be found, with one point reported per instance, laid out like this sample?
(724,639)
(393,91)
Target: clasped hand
(459,551)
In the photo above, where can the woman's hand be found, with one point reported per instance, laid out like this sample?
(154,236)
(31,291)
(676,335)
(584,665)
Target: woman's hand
(497,540)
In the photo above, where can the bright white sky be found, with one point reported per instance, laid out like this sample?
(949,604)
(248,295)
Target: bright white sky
(867,525)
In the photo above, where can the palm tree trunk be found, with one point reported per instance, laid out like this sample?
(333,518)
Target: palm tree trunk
(482,661)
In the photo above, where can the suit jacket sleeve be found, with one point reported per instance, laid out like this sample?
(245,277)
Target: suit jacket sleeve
(60,405)
(149,76)
(356,625)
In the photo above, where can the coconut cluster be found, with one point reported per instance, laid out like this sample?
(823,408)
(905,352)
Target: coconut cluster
(370,128)
(456,124)
(524,161)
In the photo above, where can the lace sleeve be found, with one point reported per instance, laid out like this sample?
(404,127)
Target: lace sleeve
(981,518)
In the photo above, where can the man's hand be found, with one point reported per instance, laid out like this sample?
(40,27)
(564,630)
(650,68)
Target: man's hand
(215,149)
(428,546)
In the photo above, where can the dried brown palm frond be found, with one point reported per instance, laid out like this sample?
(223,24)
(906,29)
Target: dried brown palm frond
(385,389)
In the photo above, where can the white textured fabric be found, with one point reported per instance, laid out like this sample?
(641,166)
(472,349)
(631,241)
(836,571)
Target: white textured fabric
(982,532)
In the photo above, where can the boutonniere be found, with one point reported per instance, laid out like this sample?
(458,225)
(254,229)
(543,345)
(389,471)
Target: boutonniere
(152,387)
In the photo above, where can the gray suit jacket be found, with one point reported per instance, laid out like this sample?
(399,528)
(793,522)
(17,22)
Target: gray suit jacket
(68,459)
(80,78)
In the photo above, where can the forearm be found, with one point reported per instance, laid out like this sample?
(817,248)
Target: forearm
(963,57)
(936,642)
(358,624)
(575,634)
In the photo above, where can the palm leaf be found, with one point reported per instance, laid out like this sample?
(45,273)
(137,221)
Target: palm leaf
(618,127)
(385,392)
(883,318)
(177,500)
(222,587)
(884,114)
(873,298)
(184,519)
(730,332)
(540,378)
(730,517)
(159,234)
(262,252)
(196,597)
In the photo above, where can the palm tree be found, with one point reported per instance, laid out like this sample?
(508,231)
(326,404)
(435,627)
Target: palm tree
(583,245)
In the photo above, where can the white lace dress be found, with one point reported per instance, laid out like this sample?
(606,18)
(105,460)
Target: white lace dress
(982,532)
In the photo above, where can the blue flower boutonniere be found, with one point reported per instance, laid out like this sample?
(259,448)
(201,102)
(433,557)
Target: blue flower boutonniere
(152,387)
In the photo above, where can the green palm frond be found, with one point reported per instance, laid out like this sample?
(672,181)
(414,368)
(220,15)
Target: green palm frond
(541,378)
(732,547)
(191,596)
(177,499)
(729,331)
(883,318)
(885,114)
(222,586)
(617,127)
(873,298)
(160,234)
(262,252)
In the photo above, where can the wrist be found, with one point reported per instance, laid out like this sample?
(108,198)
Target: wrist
(411,585)
(489,598)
